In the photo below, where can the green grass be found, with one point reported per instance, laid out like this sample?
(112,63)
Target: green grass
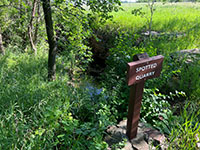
(185,133)
(37,114)
(168,17)
(170,20)
(178,23)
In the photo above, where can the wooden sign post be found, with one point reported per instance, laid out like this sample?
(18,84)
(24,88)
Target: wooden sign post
(142,68)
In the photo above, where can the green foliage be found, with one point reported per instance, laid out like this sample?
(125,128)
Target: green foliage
(185,133)
(154,106)
(71,31)
(157,109)
(123,51)
(180,72)
(176,17)
(74,25)
(36,114)
(163,113)
(99,7)
(15,18)
(189,81)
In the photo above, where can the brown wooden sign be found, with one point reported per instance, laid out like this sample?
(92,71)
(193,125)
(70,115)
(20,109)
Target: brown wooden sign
(144,69)
(141,69)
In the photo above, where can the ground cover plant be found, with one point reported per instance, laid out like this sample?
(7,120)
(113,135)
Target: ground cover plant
(36,114)
(74,111)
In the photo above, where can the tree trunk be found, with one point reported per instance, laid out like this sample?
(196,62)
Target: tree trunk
(30,27)
(51,40)
(37,24)
(20,11)
(151,6)
(2,51)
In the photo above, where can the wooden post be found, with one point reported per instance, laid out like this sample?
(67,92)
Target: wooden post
(141,69)
(135,100)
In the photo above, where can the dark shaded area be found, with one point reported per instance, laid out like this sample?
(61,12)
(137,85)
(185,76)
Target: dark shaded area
(100,45)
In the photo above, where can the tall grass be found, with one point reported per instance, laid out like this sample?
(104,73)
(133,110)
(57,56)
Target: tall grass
(185,134)
(167,17)
(37,114)
(177,24)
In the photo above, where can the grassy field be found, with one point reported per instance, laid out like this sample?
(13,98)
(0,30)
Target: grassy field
(168,17)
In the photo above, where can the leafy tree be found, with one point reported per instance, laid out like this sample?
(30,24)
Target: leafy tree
(74,23)
(149,19)
(14,22)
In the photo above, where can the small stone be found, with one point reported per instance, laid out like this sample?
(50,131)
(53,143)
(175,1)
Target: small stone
(140,136)
(156,138)
(111,129)
(156,135)
(198,145)
(140,145)
(115,135)
(109,148)
(122,124)
(191,51)
(128,146)
(121,130)
(139,142)
(153,33)
(141,124)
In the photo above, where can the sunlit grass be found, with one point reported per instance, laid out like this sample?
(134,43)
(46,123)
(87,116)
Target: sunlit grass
(179,21)
(167,17)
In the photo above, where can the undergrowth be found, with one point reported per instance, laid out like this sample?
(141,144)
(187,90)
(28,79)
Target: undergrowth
(36,114)
(64,114)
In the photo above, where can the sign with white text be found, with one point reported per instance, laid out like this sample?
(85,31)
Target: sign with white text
(144,69)
(141,69)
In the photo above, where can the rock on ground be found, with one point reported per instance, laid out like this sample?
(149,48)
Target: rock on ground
(147,138)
